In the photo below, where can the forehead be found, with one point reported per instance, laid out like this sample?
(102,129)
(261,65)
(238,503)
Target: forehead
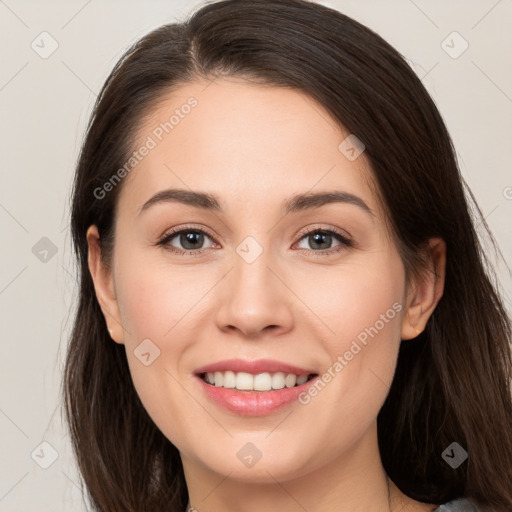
(240,139)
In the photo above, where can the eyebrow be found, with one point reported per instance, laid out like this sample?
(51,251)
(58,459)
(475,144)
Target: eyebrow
(295,203)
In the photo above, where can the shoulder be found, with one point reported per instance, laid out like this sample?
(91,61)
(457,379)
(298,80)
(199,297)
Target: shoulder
(458,505)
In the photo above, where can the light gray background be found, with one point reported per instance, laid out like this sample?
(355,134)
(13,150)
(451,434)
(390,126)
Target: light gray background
(45,104)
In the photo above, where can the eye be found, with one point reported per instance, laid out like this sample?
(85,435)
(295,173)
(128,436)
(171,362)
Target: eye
(319,238)
(190,239)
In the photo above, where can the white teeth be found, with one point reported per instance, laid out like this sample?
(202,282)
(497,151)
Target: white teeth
(219,379)
(262,382)
(290,380)
(278,380)
(244,381)
(248,382)
(229,380)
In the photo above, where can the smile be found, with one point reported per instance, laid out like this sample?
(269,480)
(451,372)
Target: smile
(266,381)
(254,388)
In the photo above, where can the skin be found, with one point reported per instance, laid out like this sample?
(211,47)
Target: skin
(255,146)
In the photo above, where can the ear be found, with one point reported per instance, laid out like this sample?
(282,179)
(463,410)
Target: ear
(426,291)
(104,285)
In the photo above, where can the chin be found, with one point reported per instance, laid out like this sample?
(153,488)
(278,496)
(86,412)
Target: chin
(250,465)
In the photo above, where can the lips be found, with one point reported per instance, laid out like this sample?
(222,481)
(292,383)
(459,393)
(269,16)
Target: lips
(253,367)
(254,403)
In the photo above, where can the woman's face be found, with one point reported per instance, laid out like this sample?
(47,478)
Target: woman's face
(258,276)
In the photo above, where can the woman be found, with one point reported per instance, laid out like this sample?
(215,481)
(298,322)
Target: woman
(223,358)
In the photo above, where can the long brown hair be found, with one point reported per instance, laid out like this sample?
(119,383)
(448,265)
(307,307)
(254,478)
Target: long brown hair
(452,383)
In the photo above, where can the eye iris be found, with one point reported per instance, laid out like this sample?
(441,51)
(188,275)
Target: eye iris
(319,237)
(191,237)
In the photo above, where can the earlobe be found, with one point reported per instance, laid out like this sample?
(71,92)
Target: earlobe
(427,292)
(103,285)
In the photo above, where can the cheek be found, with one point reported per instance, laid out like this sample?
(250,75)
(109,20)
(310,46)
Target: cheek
(153,303)
(364,314)
(370,308)
(361,300)
(159,303)
(155,300)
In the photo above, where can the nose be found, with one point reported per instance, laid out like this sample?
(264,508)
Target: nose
(256,299)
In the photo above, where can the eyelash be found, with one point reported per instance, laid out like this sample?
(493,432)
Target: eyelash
(345,242)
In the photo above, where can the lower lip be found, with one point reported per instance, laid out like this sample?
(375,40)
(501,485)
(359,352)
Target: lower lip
(254,403)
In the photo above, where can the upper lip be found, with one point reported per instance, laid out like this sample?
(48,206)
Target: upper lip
(254,367)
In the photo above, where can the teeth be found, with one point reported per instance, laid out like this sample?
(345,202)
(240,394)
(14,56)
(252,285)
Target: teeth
(262,382)
(219,379)
(278,380)
(302,379)
(248,382)
(243,381)
(290,380)
(229,380)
